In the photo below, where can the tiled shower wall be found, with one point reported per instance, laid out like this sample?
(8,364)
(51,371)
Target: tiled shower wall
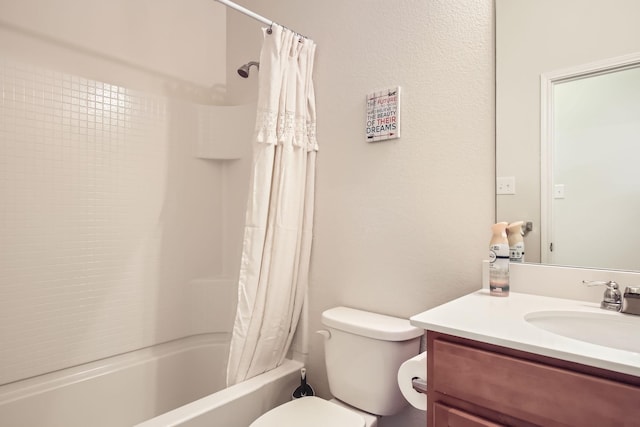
(94,225)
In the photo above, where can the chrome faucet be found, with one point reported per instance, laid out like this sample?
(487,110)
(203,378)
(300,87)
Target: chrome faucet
(612,298)
(631,300)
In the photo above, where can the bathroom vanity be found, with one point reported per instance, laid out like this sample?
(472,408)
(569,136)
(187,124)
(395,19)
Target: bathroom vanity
(494,362)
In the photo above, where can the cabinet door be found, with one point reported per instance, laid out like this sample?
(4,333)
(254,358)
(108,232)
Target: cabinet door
(446,416)
(531,391)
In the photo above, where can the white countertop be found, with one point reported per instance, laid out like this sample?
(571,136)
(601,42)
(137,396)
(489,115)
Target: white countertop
(501,321)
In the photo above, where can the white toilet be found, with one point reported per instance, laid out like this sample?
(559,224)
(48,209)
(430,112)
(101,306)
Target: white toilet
(363,352)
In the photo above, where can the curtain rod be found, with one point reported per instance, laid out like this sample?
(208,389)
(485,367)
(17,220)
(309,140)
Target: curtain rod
(250,13)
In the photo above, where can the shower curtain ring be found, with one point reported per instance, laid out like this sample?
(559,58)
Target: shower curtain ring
(270,29)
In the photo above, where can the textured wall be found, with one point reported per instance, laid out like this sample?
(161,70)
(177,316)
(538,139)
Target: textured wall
(400,226)
(162,36)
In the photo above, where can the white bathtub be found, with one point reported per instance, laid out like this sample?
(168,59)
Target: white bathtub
(236,406)
(121,390)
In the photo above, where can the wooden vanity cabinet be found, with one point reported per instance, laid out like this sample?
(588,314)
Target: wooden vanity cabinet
(472,384)
(447,416)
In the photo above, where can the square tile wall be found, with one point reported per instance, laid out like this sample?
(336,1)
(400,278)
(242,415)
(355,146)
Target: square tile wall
(83,175)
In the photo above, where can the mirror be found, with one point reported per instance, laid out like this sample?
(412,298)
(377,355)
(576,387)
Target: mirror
(534,39)
(590,144)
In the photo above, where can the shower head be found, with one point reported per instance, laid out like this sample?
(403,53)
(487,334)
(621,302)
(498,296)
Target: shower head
(243,71)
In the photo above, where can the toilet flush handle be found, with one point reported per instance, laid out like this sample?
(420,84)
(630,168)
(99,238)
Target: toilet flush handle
(326,334)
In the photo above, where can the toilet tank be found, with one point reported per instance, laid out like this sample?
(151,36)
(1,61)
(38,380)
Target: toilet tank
(363,352)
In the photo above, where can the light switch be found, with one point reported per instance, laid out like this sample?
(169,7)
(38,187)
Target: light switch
(558,191)
(506,185)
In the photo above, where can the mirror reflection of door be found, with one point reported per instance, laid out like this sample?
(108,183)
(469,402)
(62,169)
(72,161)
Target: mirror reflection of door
(594,189)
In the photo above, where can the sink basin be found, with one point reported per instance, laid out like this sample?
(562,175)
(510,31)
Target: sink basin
(613,330)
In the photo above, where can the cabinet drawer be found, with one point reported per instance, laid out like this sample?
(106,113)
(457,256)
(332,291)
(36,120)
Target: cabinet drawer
(531,391)
(450,417)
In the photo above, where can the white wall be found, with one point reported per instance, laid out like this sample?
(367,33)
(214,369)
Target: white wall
(540,36)
(108,222)
(400,226)
(163,37)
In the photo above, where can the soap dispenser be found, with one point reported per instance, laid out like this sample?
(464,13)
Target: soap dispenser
(516,242)
(499,261)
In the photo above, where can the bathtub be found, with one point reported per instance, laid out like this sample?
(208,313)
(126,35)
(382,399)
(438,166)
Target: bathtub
(121,390)
(238,405)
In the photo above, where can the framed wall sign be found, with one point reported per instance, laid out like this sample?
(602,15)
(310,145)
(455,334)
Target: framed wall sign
(383,115)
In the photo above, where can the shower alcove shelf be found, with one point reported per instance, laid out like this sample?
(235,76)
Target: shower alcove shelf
(224,132)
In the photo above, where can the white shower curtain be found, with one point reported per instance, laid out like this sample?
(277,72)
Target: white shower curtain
(277,238)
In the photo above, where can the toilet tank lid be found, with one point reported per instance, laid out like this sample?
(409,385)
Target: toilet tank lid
(370,325)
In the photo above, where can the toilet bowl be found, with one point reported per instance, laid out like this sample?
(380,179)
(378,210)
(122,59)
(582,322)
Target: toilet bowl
(363,352)
(370,420)
(315,412)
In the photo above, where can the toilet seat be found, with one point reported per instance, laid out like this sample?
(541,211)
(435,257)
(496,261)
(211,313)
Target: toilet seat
(309,412)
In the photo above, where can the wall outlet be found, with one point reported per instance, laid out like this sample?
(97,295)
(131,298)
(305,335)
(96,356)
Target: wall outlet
(506,185)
